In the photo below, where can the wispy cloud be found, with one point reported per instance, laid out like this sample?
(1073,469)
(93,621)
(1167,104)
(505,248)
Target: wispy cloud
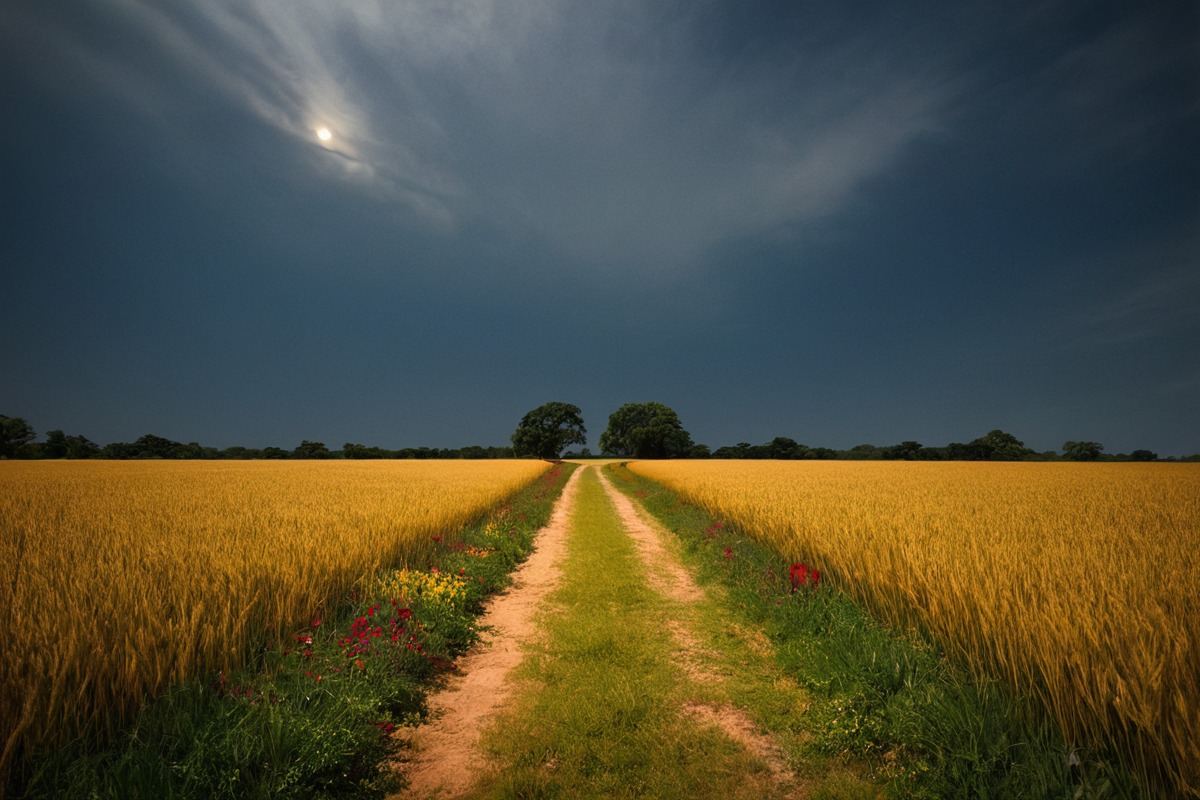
(602,129)
(1154,295)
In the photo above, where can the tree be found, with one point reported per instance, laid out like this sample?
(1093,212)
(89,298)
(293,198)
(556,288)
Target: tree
(645,430)
(547,429)
(1082,451)
(1143,455)
(307,449)
(905,451)
(81,447)
(1003,446)
(995,446)
(15,433)
(151,446)
(782,447)
(353,451)
(55,445)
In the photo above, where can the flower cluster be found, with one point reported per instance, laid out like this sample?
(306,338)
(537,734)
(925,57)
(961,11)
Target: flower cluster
(360,641)
(428,587)
(714,530)
(478,552)
(802,574)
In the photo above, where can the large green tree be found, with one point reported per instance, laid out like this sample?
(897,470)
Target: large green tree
(15,433)
(645,430)
(307,449)
(546,430)
(1082,451)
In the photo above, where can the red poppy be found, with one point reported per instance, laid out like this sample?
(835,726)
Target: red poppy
(798,575)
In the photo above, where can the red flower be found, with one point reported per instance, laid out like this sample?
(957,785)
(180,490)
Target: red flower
(729,552)
(316,621)
(798,574)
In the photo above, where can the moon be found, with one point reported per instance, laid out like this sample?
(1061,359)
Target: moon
(324,135)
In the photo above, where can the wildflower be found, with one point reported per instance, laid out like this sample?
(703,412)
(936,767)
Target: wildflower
(798,574)
(801,574)
(316,622)
(729,552)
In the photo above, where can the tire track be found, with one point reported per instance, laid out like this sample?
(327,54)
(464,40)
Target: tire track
(669,577)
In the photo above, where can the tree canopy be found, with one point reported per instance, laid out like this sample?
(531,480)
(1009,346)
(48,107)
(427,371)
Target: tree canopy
(1082,451)
(15,433)
(645,430)
(548,429)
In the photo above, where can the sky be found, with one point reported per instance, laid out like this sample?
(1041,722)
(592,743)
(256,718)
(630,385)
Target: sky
(841,223)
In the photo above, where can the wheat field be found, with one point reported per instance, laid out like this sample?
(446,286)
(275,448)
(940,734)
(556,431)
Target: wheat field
(1077,584)
(122,578)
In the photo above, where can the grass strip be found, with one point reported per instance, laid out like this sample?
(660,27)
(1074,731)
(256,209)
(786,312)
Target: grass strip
(882,697)
(600,708)
(310,717)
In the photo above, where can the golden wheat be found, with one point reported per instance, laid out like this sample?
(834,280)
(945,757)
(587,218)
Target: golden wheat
(1078,584)
(121,578)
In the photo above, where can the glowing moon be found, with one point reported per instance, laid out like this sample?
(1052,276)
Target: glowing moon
(324,135)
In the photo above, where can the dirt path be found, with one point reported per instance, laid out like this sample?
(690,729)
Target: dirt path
(445,752)
(446,757)
(669,577)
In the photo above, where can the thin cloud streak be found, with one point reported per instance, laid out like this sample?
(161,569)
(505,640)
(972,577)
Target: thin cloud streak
(1155,297)
(463,105)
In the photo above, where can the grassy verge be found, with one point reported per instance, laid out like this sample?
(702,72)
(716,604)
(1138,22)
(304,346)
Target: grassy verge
(311,716)
(881,697)
(601,711)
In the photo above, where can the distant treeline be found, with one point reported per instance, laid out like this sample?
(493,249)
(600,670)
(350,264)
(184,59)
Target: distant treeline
(994,446)
(17,441)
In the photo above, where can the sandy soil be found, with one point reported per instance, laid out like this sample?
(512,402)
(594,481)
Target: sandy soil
(445,754)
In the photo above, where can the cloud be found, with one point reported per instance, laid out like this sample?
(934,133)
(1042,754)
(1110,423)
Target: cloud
(1154,296)
(612,132)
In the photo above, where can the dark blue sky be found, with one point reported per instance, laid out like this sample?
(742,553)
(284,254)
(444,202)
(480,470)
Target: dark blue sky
(841,223)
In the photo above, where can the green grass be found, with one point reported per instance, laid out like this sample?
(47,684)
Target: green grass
(601,698)
(881,699)
(305,720)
